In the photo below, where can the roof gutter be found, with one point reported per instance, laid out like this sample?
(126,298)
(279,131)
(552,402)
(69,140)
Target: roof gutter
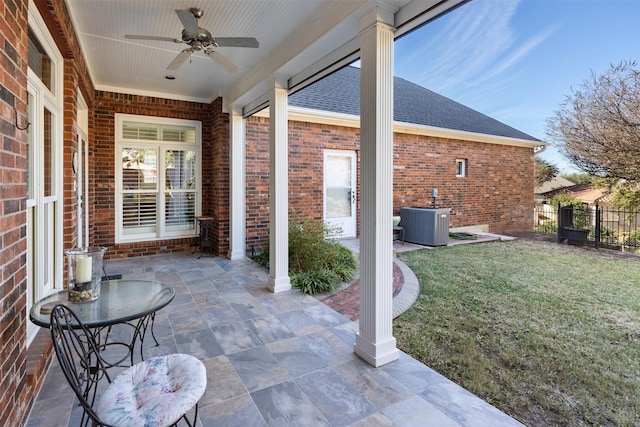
(353,121)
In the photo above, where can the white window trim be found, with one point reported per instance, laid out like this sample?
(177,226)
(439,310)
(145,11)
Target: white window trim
(461,168)
(52,100)
(120,142)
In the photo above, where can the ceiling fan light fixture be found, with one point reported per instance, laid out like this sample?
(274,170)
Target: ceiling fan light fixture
(199,39)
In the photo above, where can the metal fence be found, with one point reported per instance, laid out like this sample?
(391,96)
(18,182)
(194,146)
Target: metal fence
(601,227)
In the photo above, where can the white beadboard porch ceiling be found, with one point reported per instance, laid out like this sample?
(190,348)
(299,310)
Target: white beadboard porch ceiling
(299,40)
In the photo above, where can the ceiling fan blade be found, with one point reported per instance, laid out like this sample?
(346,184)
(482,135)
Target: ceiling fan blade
(188,21)
(236,42)
(179,60)
(158,38)
(222,60)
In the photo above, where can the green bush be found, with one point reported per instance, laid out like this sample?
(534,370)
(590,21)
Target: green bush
(608,235)
(317,263)
(580,210)
(262,258)
(547,227)
(633,241)
(315,282)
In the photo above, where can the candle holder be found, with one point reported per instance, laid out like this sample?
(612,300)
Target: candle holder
(85,273)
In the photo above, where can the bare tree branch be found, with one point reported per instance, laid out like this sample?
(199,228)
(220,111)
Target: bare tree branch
(598,126)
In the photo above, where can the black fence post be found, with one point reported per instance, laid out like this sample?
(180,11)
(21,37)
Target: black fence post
(598,225)
(560,224)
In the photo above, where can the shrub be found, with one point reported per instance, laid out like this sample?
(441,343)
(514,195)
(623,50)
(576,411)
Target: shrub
(262,258)
(317,263)
(633,241)
(315,282)
(608,235)
(547,227)
(581,217)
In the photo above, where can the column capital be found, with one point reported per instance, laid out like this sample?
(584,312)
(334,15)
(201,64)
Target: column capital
(378,13)
(278,82)
(235,109)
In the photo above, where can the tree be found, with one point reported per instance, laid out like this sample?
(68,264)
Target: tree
(544,171)
(598,126)
(625,195)
(579,178)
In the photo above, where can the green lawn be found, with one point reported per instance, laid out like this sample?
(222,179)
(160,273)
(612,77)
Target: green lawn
(548,333)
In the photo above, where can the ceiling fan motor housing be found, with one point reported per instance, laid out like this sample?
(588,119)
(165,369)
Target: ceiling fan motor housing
(204,37)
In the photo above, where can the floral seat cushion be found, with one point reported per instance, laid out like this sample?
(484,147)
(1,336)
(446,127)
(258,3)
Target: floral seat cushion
(156,392)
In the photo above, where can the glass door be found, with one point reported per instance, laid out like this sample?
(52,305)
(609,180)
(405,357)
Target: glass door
(340,191)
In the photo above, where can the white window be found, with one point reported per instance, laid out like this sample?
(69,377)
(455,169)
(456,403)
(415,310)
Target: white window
(157,177)
(461,168)
(44,179)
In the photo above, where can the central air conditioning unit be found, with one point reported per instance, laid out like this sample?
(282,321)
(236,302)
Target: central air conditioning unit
(425,226)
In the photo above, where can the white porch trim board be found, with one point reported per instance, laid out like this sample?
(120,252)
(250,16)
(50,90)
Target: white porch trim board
(374,341)
(278,188)
(237,189)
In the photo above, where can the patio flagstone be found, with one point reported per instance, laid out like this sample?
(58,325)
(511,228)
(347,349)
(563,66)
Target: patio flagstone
(275,359)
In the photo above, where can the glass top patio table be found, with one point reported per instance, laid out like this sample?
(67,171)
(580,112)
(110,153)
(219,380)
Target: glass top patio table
(120,301)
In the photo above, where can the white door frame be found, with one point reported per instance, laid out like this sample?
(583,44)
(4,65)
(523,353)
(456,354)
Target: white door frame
(347,224)
(81,169)
(80,163)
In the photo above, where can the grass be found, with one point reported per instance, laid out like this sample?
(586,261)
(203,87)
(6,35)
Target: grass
(548,333)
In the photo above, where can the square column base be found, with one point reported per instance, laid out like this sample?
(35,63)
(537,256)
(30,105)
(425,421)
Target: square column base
(376,354)
(282,284)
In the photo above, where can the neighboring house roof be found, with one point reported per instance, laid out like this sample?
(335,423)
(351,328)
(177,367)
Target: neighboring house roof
(586,193)
(556,183)
(340,93)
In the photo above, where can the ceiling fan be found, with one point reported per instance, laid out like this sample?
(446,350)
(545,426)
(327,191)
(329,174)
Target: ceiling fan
(198,39)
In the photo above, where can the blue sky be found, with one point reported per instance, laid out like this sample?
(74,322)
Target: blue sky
(516,60)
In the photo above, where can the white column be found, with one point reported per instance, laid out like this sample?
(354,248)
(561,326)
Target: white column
(278,189)
(237,196)
(374,341)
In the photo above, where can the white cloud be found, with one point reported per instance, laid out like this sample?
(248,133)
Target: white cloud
(477,49)
(512,57)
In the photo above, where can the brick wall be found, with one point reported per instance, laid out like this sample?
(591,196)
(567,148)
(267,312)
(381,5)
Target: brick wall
(15,391)
(257,186)
(217,179)
(498,188)
(23,369)
(493,193)
(306,162)
(215,168)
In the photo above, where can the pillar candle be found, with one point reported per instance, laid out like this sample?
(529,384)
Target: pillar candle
(83,269)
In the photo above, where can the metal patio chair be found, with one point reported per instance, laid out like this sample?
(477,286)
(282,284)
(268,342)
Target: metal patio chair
(156,392)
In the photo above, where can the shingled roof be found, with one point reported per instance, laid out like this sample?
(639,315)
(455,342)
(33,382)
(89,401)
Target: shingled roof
(340,93)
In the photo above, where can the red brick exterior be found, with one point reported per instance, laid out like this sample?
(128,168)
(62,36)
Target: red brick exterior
(23,369)
(497,191)
(215,169)
(16,392)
